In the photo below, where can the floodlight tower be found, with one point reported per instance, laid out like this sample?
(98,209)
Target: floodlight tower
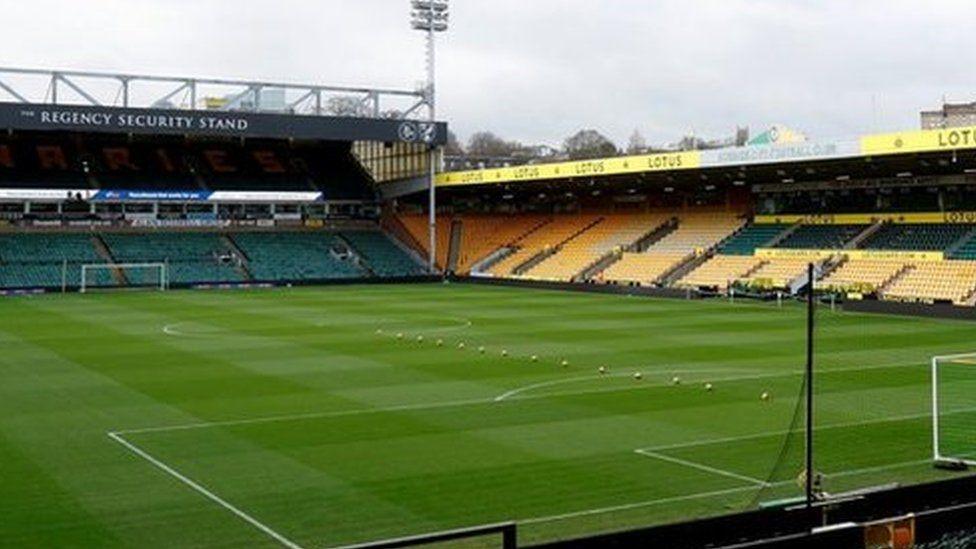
(430,16)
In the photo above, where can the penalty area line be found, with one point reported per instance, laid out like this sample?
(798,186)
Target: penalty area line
(707,495)
(203,491)
(703,467)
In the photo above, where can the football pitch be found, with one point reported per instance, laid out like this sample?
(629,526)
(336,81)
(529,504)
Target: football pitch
(315,417)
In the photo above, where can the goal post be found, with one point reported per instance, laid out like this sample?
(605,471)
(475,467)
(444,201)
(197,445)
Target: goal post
(137,275)
(954,410)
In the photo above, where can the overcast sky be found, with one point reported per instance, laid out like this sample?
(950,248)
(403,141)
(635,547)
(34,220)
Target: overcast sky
(538,70)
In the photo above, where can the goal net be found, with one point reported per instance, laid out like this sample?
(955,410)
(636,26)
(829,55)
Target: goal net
(954,410)
(153,276)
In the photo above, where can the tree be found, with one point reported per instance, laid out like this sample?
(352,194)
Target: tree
(345,106)
(589,144)
(636,144)
(453,146)
(488,144)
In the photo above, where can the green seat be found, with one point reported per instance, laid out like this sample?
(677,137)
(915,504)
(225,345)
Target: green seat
(384,257)
(298,256)
(751,237)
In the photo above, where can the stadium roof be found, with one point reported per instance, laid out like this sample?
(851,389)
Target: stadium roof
(854,151)
(81,101)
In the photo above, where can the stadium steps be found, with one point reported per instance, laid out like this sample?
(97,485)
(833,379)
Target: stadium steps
(783,235)
(883,288)
(683,268)
(535,260)
(533,230)
(830,265)
(421,259)
(457,228)
(971,300)
(106,254)
(755,268)
(485,263)
(491,259)
(958,245)
(613,256)
(655,234)
(888,283)
(641,244)
(598,266)
(544,254)
(359,258)
(856,242)
(242,266)
(394,227)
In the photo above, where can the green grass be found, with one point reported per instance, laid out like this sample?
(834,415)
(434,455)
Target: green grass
(290,407)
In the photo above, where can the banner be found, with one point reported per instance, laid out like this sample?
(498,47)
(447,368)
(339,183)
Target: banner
(84,118)
(793,253)
(895,255)
(819,219)
(182,223)
(264,196)
(55,195)
(150,196)
(769,154)
(581,168)
(205,196)
(883,255)
(919,141)
(867,219)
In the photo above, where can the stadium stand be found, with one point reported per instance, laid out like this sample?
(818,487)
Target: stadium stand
(297,256)
(612,233)
(944,281)
(720,271)
(43,259)
(546,238)
(482,234)
(696,233)
(911,236)
(863,275)
(966,248)
(190,257)
(383,257)
(33,260)
(821,237)
(754,235)
(777,273)
(417,229)
(166,163)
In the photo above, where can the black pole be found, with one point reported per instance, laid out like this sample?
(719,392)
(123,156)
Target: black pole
(809,376)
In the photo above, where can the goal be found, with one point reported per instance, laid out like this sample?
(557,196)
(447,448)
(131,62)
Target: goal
(131,275)
(954,410)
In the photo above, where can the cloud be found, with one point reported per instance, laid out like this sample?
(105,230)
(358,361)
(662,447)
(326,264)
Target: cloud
(538,71)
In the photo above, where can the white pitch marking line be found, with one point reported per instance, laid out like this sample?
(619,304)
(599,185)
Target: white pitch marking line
(170,329)
(704,495)
(206,493)
(841,425)
(446,404)
(527,388)
(310,415)
(510,393)
(702,467)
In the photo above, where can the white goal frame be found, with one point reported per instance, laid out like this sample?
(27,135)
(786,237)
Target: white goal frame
(937,456)
(163,270)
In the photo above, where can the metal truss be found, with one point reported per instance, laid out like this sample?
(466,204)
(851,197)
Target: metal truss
(69,87)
